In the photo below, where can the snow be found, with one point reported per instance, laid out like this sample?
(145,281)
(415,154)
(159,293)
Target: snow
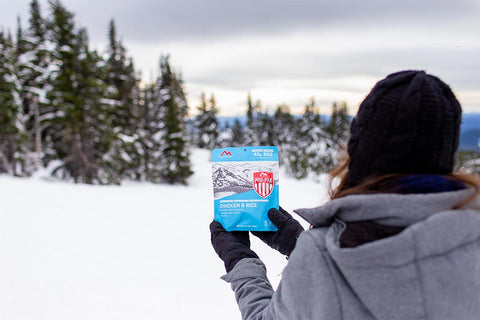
(136,251)
(65,48)
(41,93)
(26,57)
(111,102)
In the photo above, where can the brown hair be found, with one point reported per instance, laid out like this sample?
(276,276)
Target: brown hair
(361,232)
(373,184)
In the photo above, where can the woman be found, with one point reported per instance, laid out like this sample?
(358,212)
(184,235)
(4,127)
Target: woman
(400,238)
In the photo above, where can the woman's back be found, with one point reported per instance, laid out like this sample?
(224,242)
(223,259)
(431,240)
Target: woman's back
(429,270)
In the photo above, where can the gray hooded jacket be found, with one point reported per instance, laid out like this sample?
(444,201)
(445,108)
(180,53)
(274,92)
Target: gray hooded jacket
(431,270)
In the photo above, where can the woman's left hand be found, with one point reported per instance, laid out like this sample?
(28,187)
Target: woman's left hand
(285,238)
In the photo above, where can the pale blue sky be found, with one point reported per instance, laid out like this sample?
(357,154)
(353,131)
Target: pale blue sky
(288,51)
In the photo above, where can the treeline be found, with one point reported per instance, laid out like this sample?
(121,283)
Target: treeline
(307,143)
(83,114)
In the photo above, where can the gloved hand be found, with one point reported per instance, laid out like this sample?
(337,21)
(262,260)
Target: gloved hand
(232,246)
(285,238)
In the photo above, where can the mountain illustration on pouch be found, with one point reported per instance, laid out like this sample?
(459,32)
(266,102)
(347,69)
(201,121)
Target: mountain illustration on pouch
(235,177)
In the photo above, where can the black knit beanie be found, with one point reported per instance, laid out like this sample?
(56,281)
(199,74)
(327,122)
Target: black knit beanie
(408,123)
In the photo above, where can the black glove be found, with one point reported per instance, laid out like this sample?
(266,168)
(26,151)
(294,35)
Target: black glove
(232,246)
(285,238)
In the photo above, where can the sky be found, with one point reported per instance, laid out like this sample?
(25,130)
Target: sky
(286,51)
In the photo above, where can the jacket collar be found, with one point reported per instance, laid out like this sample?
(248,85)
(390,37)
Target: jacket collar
(388,209)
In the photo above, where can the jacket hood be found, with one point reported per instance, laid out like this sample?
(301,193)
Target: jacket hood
(411,274)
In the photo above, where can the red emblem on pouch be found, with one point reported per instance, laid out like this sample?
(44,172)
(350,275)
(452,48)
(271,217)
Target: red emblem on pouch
(263,183)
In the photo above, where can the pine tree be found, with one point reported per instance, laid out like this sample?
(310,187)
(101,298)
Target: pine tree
(232,136)
(198,123)
(97,134)
(150,137)
(225,137)
(74,101)
(175,163)
(338,131)
(339,124)
(34,70)
(238,135)
(12,130)
(212,128)
(122,82)
(20,43)
(54,115)
(319,150)
(266,135)
(310,150)
(297,158)
(284,129)
(123,111)
(253,127)
(206,124)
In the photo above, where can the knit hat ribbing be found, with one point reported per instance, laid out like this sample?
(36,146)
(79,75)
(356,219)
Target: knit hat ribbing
(408,123)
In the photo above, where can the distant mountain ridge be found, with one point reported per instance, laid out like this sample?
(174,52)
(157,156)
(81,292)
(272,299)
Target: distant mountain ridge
(469,138)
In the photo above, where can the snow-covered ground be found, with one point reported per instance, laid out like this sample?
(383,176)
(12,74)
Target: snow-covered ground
(137,251)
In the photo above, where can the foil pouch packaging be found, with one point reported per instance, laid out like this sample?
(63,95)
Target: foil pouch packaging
(245,187)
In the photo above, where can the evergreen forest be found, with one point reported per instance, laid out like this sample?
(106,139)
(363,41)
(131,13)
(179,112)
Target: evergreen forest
(84,115)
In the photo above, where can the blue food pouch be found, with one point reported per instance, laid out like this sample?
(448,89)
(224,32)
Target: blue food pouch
(245,187)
